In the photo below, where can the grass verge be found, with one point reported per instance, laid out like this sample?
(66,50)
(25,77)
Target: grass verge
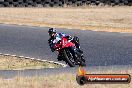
(63,80)
(15,63)
(110,19)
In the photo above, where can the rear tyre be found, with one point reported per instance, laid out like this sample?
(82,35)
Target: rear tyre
(6,4)
(82,61)
(1,5)
(15,4)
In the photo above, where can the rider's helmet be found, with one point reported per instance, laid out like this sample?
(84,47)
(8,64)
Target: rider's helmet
(52,32)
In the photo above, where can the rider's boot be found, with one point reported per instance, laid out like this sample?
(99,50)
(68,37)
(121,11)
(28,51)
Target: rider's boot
(80,51)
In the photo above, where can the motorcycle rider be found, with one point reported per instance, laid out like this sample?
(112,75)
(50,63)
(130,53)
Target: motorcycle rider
(56,37)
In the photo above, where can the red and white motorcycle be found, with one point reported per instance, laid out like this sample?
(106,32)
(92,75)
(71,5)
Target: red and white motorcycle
(64,47)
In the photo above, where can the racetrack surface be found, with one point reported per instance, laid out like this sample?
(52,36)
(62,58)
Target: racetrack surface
(100,48)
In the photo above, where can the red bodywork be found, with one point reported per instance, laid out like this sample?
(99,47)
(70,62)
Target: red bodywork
(63,44)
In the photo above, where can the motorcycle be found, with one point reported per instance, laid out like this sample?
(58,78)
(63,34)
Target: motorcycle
(64,47)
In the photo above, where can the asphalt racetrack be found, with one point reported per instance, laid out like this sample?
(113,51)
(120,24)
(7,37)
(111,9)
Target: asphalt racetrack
(100,48)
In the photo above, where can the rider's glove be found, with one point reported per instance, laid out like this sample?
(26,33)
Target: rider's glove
(50,41)
(52,47)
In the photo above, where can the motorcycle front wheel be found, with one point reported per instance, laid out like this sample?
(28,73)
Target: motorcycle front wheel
(69,58)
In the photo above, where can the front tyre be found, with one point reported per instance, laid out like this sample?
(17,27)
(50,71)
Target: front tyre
(68,58)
